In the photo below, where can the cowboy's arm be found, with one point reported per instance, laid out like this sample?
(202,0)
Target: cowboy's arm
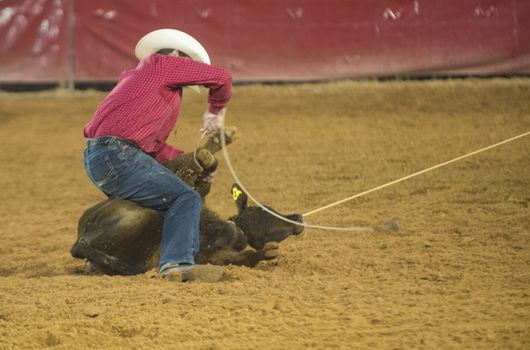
(180,71)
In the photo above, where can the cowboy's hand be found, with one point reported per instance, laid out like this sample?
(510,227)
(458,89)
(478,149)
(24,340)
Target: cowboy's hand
(211,122)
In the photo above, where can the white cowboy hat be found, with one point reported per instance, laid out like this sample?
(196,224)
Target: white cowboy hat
(171,39)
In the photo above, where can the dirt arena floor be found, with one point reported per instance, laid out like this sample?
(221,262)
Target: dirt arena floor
(455,276)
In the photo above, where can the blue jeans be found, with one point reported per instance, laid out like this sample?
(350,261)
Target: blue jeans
(123,171)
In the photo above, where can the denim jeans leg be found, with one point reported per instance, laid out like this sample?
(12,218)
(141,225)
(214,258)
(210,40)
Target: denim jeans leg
(181,229)
(138,177)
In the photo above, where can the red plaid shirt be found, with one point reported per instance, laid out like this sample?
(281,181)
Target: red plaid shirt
(144,106)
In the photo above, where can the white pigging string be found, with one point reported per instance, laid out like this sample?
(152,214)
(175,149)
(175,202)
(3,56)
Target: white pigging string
(195,152)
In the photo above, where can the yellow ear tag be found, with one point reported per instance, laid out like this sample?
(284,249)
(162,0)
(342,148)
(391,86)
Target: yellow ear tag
(236,193)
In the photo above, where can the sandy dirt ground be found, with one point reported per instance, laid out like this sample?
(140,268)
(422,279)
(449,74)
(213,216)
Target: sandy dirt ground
(455,276)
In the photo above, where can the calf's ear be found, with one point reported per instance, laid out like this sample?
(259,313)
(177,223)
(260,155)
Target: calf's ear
(240,197)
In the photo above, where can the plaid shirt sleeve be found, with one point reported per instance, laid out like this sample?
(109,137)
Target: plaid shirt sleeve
(166,153)
(180,71)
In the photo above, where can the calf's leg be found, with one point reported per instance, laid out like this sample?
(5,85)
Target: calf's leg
(249,257)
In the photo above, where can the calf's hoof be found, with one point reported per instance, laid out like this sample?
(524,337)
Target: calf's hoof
(271,250)
(230,135)
(91,267)
(197,273)
(206,159)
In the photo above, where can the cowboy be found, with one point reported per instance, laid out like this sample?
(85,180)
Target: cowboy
(127,147)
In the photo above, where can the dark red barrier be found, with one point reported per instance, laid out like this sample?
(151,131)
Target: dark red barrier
(281,39)
(33,40)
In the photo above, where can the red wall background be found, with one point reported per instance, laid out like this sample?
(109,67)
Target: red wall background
(81,40)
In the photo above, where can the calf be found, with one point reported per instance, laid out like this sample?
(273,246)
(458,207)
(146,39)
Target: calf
(122,237)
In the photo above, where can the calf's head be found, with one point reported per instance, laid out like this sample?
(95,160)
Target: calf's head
(259,226)
(217,234)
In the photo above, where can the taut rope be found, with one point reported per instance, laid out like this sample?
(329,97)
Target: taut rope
(353,228)
(415,174)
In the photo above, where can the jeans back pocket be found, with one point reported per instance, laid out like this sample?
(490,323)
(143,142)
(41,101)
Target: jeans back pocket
(100,169)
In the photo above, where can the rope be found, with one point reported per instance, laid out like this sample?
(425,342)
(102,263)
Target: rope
(195,153)
(357,229)
(415,174)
